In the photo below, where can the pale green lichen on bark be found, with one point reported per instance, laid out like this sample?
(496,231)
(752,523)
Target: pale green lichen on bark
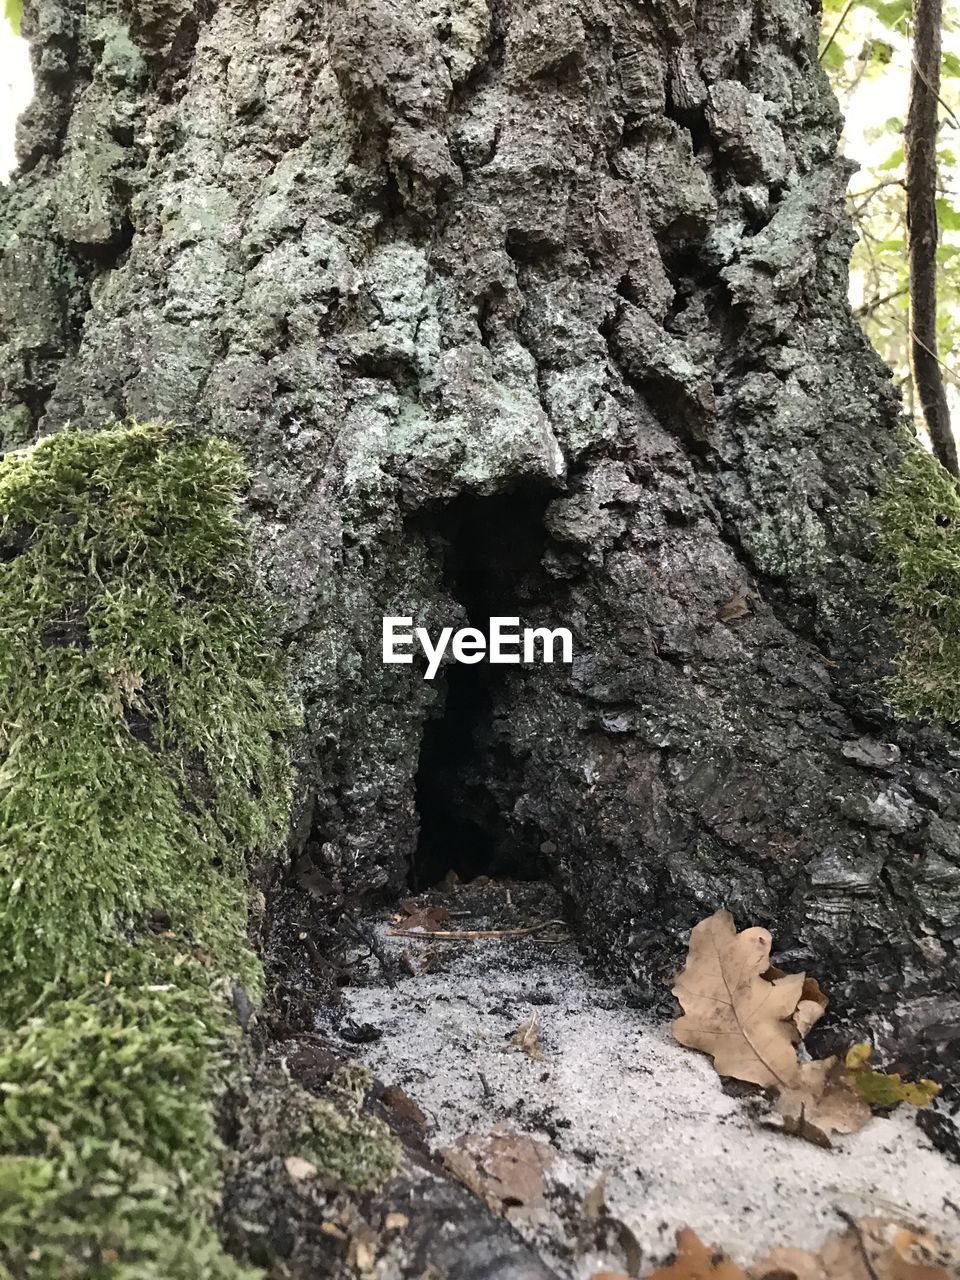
(142,717)
(919,533)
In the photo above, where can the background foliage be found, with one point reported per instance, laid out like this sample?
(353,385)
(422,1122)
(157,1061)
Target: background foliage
(865,49)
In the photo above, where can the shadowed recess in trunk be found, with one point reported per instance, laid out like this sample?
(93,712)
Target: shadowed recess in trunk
(491,550)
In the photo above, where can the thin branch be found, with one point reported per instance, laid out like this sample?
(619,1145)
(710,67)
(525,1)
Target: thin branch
(936,91)
(860,199)
(835,32)
(933,355)
(912,337)
(868,308)
(877,186)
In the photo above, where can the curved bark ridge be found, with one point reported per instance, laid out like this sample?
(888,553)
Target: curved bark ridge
(588,260)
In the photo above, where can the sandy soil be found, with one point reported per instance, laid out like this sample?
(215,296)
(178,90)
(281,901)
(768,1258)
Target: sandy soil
(616,1096)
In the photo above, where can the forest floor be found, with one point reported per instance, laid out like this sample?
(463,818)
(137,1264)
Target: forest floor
(593,1131)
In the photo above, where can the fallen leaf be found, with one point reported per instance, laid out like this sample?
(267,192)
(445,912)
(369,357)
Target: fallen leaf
(858,1056)
(503,1168)
(694,1261)
(788,1264)
(744,1021)
(876,1249)
(527,1038)
(883,1090)
(610,1275)
(423,919)
(822,1102)
(811,1006)
(395,1222)
(749,1017)
(300,1169)
(869,1249)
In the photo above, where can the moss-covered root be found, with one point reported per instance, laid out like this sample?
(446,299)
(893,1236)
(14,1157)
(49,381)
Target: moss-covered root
(142,714)
(919,522)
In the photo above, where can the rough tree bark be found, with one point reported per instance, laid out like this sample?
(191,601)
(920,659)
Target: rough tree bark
(529,308)
(920,138)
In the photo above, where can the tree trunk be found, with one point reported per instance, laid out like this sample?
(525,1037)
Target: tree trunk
(534,309)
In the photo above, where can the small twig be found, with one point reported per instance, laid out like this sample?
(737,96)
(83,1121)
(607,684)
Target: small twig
(487,1091)
(455,935)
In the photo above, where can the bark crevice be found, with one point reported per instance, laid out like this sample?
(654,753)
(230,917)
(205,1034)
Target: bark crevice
(491,550)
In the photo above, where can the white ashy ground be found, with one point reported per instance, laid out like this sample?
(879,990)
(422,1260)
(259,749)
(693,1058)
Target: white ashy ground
(616,1095)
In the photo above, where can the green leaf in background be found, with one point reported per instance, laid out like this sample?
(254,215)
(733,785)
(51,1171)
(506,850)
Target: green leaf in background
(891,14)
(893,161)
(947,216)
(951,64)
(879,53)
(13,12)
(834,58)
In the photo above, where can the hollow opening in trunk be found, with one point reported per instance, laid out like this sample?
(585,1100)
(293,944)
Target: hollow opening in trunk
(468,778)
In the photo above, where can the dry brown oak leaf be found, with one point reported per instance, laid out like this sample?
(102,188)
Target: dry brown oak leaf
(870,1249)
(744,1020)
(822,1102)
(503,1167)
(694,1261)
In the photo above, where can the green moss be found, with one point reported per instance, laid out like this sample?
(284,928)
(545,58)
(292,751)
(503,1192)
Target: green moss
(142,714)
(352,1082)
(350,1149)
(354,1151)
(919,523)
